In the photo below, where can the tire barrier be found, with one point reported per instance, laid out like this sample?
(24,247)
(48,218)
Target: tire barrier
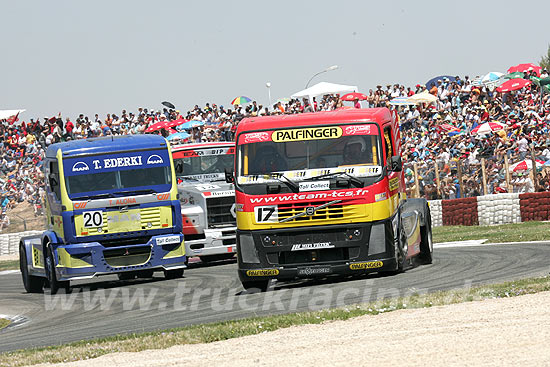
(9,243)
(491,209)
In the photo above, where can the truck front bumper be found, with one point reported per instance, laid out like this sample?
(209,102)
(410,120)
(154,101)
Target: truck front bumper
(215,242)
(91,259)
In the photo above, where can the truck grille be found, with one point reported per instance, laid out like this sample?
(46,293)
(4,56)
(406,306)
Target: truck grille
(219,211)
(334,211)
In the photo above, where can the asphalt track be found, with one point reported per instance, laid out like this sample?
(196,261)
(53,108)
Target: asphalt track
(213,293)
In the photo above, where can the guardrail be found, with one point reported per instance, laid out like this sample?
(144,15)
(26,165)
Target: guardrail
(9,243)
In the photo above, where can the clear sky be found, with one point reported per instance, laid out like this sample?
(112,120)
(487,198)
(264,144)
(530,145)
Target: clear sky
(104,56)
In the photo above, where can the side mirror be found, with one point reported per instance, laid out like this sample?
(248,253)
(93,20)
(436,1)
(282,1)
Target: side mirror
(229,178)
(396,165)
(53,181)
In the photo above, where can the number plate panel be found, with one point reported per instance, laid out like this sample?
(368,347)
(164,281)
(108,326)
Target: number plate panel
(93,219)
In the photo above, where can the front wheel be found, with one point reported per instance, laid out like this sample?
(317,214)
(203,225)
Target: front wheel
(426,243)
(31,283)
(173,274)
(55,285)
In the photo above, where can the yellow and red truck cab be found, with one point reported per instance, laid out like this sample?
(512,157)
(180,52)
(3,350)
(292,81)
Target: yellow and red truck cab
(323,193)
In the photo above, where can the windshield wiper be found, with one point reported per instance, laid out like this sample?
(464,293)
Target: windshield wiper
(90,197)
(135,192)
(287,181)
(354,180)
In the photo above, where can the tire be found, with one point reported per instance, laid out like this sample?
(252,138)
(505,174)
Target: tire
(173,274)
(400,251)
(255,285)
(426,243)
(31,283)
(55,285)
(129,275)
(145,274)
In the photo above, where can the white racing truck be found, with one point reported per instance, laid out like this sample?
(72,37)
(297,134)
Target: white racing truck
(207,201)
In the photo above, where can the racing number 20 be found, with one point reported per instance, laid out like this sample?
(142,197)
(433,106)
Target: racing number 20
(93,219)
(265,214)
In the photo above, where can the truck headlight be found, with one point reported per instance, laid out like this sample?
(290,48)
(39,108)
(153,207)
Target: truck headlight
(247,250)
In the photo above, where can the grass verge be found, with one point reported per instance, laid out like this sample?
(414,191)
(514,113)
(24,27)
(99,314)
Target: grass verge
(207,333)
(518,232)
(9,265)
(4,323)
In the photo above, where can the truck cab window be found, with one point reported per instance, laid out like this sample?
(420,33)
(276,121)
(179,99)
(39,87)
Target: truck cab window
(389,146)
(54,179)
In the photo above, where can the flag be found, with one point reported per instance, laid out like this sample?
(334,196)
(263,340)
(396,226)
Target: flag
(13,118)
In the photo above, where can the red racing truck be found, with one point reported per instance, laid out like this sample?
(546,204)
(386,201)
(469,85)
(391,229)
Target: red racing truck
(319,194)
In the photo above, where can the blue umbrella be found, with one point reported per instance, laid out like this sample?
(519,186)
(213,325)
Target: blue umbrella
(182,135)
(433,81)
(190,124)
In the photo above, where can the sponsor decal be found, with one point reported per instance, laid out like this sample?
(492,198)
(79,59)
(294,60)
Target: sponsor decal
(256,137)
(205,177)
(205,187)
(80,205)
(310,196)
(203,152)
(118,162)
(135,217)
(311,133)
(262,272)
(394,183)
(380,197)
(318,270)
(123,201)
(311,246)
(162,197)
(80,167)
(314,185)
(366,265)
(155,159)
(357,130)
(219,193)
(167,240)
(239,207)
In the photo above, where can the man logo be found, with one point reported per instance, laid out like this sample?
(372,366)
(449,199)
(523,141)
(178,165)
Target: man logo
(154,159)
(80,166)
(80,205)
(310,210)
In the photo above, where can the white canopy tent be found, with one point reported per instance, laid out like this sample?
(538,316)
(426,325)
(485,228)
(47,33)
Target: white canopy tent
(320,89)
(6,114)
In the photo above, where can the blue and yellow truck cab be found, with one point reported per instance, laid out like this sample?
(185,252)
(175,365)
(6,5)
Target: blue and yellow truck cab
(112,208)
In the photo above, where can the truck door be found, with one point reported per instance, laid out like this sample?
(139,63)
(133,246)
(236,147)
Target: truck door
(53,197)
(393,177)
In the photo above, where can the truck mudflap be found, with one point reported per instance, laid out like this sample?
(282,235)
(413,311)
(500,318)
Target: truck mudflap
(329,250)
(87,260)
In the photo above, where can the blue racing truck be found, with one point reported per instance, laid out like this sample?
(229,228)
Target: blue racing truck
(112,208)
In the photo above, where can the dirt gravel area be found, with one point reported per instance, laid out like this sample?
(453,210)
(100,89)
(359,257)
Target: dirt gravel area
(512,331)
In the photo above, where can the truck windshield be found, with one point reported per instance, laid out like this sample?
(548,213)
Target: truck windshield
(118,172)
(303,153)
(203,164)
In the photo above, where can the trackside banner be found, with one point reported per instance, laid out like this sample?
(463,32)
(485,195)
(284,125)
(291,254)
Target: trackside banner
(307,133)
(115,162)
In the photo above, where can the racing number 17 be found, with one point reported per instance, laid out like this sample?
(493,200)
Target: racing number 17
(265,214)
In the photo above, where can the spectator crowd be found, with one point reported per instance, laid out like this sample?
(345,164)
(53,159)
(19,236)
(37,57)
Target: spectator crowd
(436,137)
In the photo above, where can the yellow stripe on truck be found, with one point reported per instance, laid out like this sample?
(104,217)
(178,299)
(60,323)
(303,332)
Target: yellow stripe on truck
(360,213)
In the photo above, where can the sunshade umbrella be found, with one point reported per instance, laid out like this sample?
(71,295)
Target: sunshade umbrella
(448,128)
(488,127)
(284,100)
(513,84)
(514,75)
(401,101)
(354,96)
(156,126)
(491,77)
(181,135)
(433,81)
(525,165)
(423,97)
(168,104)
(525,67)
(174,123)
(240,100)
(190,124)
